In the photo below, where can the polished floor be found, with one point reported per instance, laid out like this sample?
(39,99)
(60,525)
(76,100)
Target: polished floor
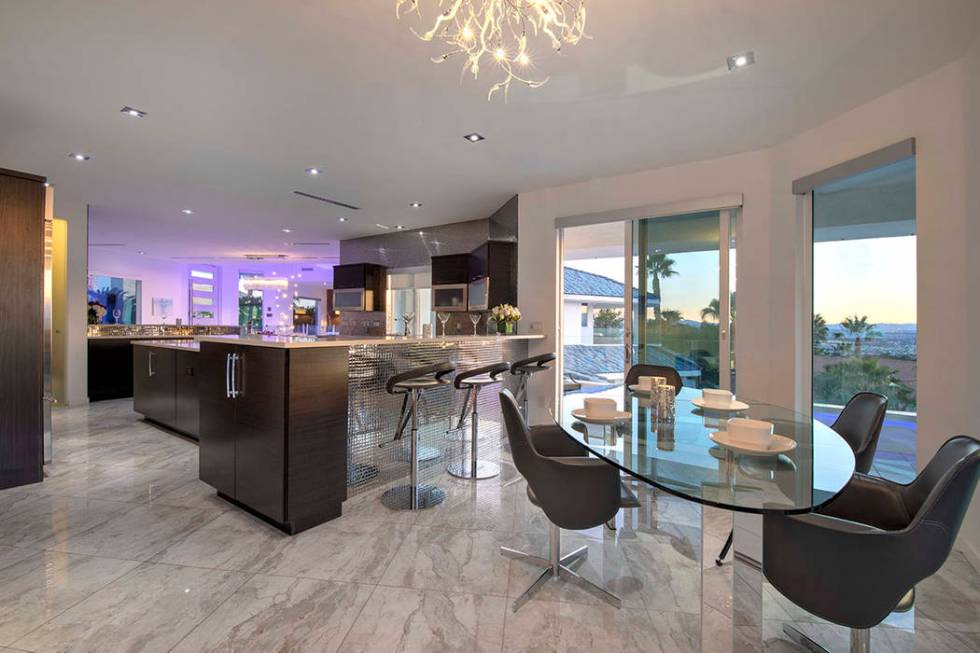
(122,549)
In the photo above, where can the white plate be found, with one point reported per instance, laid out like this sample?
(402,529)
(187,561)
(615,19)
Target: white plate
(615,418)
(736,405)
(780,444)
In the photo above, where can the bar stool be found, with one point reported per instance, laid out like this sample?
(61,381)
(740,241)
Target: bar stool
(472,381)
(412,384)
(523,369)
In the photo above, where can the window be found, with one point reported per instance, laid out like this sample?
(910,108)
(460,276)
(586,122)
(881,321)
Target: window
(249,302)
(585,315)
(113,300)
(864,303)
(204,295)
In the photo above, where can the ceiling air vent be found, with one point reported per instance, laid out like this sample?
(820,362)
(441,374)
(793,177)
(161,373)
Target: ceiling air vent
(262,257)
(327,200)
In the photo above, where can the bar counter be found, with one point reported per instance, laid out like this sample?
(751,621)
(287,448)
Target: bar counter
(292,426)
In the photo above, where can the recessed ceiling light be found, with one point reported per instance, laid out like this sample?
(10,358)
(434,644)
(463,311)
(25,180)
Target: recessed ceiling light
(187,211)
(473,138)
(741,60)
(287,231)
(78,156)
(341,219)
(416,205)
(47,184)
(140,252)
(134,113)
(313,171)
(399,227)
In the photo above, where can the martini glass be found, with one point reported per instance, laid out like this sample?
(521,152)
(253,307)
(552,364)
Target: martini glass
(475,319)
(443,317)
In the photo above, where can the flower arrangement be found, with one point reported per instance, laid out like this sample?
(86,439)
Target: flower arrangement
(96,311)
(506,316)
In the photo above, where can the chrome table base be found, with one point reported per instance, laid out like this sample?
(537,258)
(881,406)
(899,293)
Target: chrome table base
(558,566)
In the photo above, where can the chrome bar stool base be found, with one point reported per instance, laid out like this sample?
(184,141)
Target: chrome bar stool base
(558,566)
(482,469)
(401,497)
(860,640)
(426,454)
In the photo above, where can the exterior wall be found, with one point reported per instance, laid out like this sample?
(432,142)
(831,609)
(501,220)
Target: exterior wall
(574,331)
(941,111)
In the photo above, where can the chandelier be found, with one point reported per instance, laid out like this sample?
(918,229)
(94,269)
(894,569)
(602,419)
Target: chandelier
(498,30)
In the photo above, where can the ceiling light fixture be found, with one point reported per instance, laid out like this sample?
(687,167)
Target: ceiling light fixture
(140,252)
(474,137)
(499,30)
(287,231)
(341,219)
(134,113)
(313,171)
(78,156)
(399,227)
(741,60)
(187,211)
(416,205)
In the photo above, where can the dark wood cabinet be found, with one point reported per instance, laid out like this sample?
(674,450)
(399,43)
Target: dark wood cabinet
(155,383)
(370,277)
(450,269)
(186,406)
(273,430)
(21,347)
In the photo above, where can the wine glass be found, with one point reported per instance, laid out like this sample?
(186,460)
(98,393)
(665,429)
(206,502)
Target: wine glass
(116,314)
(475,319)
(443,317)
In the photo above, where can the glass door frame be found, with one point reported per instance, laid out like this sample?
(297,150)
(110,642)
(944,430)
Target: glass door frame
(729,206)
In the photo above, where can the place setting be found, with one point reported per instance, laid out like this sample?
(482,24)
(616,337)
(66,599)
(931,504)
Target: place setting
(752,437)
(718,401)
(601,412)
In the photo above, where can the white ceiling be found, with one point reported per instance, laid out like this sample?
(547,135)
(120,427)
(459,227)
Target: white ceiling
(243,95)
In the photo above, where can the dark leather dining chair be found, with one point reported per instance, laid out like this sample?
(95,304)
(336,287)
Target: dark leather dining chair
(859,558)
(860,424)
(642,369)
(575,492)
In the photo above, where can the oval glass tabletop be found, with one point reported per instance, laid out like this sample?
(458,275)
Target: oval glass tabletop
(681,458)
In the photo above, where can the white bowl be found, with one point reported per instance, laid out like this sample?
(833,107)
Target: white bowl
(752,432)
(716,397)
(600,407)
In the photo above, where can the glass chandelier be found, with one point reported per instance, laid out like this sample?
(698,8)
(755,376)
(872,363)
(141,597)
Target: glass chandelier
(498,31)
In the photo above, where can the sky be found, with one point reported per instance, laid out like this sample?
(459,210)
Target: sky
(873,277)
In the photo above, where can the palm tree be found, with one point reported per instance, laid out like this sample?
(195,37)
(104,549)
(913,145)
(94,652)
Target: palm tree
(860,330)
(711,311)
(660,267)
(671,317)
(820,330)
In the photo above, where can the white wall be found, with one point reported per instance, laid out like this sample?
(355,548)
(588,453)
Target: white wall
(941,111)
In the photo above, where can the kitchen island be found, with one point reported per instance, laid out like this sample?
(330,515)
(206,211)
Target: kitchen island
(290,426)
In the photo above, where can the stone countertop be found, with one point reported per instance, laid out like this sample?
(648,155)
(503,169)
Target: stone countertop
(169,343)
(305,342)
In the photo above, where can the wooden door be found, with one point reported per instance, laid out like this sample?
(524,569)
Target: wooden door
(217,429)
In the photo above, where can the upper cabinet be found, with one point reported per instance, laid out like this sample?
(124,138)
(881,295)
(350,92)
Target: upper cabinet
(359,286)
(450,269)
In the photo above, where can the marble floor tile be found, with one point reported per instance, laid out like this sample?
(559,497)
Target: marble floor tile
(274,613)
(883,639)
(449,559)
(234,540)
(114,482)
(193,494)
(548,626)
(53,521)
(139,533)
(398,619)
(950,599)
(149,609)
(348,549)
(44,584)
(476,505)
(14,500)
(671,578)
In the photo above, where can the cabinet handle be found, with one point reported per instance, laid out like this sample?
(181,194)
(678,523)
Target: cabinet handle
(228,376)
(234,385)
(239,375)
(150,363)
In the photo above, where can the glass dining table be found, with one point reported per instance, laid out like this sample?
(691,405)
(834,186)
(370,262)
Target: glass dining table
(680,458)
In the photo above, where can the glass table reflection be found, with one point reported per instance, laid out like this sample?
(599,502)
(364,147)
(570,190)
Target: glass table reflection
(680,458)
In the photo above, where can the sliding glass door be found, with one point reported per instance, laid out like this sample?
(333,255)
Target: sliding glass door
(683,296)
(650,290)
